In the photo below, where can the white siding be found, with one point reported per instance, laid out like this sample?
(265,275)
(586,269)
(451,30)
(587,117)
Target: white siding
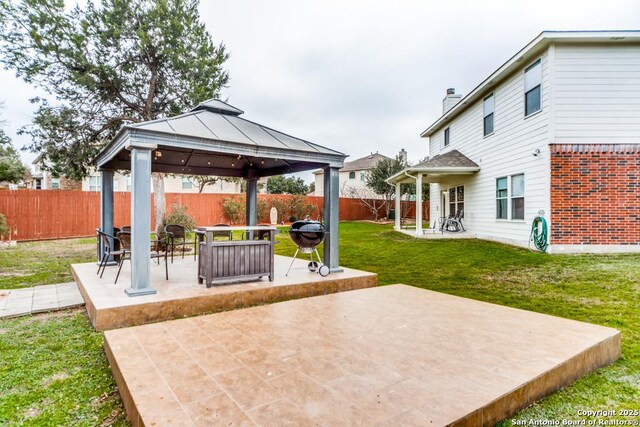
(597,93)
(508,151)
(346,184)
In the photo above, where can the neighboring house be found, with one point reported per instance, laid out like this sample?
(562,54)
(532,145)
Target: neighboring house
(43,180)
(554,132)
(353,176)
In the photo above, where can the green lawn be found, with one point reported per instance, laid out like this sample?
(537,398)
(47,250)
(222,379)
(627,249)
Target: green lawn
(53,370)
(39,263)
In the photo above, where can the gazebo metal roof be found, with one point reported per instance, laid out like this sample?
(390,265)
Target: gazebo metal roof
(212,139)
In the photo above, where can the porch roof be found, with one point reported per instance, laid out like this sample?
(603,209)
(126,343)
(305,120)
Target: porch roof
(450,163)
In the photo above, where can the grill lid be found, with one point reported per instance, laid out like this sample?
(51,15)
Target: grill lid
(307,234)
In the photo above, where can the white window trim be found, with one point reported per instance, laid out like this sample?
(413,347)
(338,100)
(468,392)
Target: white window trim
(525,91)
(444,132)
(509,198)
(485,115)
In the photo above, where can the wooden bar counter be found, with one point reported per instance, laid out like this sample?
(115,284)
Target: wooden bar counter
(228,261)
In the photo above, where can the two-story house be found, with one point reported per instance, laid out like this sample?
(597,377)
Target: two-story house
(554,132)
(353,177)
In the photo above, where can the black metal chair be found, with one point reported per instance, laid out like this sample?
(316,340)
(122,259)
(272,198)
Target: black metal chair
(177,236)
(454,223)
(108,251)
(159,249)
(227,234)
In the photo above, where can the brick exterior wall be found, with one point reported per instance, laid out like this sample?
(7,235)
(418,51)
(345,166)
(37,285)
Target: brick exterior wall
(595,194)
(66,183)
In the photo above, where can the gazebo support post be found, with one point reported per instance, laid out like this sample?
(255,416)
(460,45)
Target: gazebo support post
(106,210)
(331,218)
(251,204)
(398,208)
(419,204)
(140,219)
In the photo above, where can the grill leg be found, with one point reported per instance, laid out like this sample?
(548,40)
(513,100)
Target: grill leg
(318,255)
(292,261)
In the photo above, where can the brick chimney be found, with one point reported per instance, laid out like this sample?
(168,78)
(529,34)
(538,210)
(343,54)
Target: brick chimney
(450,100)
(403,155)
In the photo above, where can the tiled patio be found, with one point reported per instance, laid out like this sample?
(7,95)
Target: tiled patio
(181,296)
(393,355)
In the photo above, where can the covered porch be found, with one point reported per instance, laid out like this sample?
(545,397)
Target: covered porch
(211,139)
(438,169)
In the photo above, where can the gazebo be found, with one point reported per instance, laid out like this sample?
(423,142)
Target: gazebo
(211,139)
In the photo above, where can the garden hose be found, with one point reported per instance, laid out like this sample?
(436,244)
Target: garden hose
(539,233)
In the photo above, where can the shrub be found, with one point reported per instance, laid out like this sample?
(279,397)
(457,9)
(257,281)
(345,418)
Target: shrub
(5,231)
(179,215)
(233,209)
(263,210)
(282,206)
(299,207)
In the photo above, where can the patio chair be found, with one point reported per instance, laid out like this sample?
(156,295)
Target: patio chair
(227,234)
(159,249)
(109,250)
(177,236)
(258,234)
(454,223)
(199,236)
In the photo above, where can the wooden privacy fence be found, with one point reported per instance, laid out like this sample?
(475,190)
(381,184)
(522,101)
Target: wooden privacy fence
(55,214)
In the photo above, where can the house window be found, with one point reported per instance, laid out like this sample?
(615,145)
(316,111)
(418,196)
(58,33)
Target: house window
(488,107)
(38,184)
(115,184)
(456,199)
(517,196)
(363,176)
(532,91)
(186,183)
(446,137)
(94,183)
(501,198)
(510,188)
(352,175)
(129,184)
(55,183)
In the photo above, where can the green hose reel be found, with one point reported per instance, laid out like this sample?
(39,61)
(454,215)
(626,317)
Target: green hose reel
(539,233)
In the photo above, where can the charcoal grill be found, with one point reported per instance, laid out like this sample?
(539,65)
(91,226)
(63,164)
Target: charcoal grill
(307,235)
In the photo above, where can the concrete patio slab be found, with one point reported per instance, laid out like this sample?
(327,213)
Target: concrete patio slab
(110,307)
(39,299)
(392,355)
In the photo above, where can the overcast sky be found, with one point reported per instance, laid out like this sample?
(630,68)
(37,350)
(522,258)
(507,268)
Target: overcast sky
(364,76)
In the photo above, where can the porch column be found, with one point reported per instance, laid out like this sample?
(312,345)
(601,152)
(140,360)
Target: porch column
(419,204)
(331,218)
(252,201)
(106,210)
(140,219)
(398,209)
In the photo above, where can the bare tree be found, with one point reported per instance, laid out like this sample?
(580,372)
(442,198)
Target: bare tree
(366,196)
